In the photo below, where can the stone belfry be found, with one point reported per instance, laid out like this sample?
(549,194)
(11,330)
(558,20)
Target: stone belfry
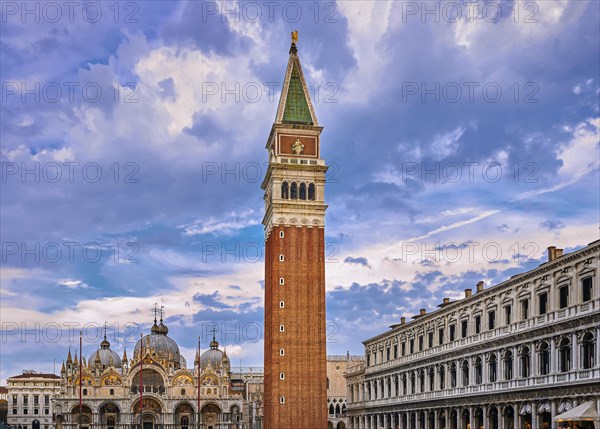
(295,391)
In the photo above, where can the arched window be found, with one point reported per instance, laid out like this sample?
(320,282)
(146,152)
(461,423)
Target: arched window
(337,410)
(588,356)
(111,392)
(421,381)
(493,368)
(285,190)
(185,421)
(327,382)
(442,377)
(294,191)
(182,392)
(508,365)
(478,371)
(544,358)
(404,390)
(465,373)
(525,362)
(84,392)
(110,422)
(564,355)
(331,410)
(453,375)
(302,191)
(412,382)
(431,374)
(311,191)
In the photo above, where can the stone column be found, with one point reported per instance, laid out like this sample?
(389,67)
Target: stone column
(393,392)
(535,422)
(553,424)
(553,356)
(574,353)
(472,418)
(486,421)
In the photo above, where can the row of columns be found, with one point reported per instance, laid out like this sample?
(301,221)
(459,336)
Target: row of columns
(491,417)
(377,388)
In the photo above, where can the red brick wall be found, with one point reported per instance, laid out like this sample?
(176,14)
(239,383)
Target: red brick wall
(304,339)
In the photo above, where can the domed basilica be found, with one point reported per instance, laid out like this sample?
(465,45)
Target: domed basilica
(155,388)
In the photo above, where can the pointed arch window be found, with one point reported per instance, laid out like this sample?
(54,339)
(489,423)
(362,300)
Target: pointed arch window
(311,192)
(285,190)
(294,191)
(302,191)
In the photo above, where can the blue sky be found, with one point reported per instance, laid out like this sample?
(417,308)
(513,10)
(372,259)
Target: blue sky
(462,139)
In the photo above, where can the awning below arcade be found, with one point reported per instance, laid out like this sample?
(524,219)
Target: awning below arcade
(585,412)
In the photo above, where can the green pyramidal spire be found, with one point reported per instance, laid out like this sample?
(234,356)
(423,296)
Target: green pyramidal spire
(295,106)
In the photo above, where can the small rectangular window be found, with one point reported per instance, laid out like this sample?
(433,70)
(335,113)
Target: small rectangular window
(25,411)
(543,303)
(411,345)
(281,258)
(508,314)
(477,324)
(395,351)
(586,289)
(46,411)
(281,352)
(452,333)
(282,400)
(525,309)
(491,319)
(281,376)
(463,328)
(281,328)
(14,399)
(281,281)
(281,304)
(563,296)
(403,349)
(387,353)
(281,234)
(441,336)
(35,411)
(420,342)
(430,339)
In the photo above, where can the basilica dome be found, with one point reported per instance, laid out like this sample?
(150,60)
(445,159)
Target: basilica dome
(159,346)
(213,356)
(105,356)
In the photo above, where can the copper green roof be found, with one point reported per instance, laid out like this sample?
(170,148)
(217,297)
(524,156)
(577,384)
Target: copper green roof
(296,107)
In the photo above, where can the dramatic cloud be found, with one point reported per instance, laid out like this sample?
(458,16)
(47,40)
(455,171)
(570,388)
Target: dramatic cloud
(133,152)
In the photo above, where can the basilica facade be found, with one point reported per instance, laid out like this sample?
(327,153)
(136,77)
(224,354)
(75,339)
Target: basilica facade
(154,389)
(516,355)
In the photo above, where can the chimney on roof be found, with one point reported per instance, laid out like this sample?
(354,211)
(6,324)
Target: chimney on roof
(554,253)
(403,320)
(468,292)
(480,286)
(422,312)
(446,301)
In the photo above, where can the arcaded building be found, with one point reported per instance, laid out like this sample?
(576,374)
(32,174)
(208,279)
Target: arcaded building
(513,355)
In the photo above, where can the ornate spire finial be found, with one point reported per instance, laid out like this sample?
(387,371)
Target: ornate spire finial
(293,48)
(105,330)
(162,312)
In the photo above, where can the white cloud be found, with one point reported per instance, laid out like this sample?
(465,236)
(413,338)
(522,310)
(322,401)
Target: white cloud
(73,284)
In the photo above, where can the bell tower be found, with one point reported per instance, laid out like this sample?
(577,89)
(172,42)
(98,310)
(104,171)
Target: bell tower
(295,332)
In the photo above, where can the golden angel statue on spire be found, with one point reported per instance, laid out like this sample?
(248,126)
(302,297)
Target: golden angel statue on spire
(295,37)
